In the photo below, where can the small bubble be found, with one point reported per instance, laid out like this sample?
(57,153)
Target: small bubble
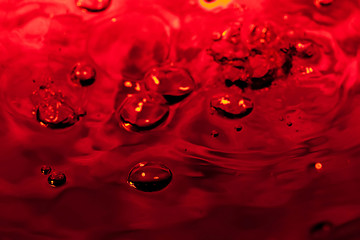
(232,105)
(238,128)
(321,230)
(315,166)
(323,3)
(45,170)
(83,74)
(142,112)
(93,5)
(305,49)
(51,110)
(214,133)
(172,83)
(57,179)
(149,177)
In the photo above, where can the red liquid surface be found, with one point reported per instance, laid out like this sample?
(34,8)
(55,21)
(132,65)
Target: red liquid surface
(282,162)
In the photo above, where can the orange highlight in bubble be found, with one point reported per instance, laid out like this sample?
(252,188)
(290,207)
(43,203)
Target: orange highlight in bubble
(210,5)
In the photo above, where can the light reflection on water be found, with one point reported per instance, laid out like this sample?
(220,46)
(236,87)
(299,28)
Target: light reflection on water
(262,182)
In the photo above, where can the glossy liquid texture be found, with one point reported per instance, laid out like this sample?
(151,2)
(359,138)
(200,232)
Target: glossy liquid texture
(291,171)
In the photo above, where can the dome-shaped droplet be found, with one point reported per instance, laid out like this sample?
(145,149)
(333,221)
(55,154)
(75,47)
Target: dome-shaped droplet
(45,170)
(57,179)
(149,177)
(93,5)
(231,105)
(142,112)
(172,83)
(321,230)
(83,74)
(51,109)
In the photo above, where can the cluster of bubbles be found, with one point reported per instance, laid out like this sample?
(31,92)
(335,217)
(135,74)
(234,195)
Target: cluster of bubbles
(164,86)
(55,179)
(249,63)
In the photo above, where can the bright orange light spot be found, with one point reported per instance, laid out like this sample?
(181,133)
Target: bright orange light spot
(77,73)
(113,19)
(225,33)
(143,174)
(156,80)
(300,45)
(308,70)
(318,166)
(184,88)
(141,164)
(139,107)
(137,88)
(242,103)
(128,84)
(156,177)
(214,4)
(147,120)
(224,101)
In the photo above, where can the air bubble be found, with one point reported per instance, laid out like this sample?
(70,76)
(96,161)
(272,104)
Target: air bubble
(172,83)
(51,110)
(321,230)
(232,105)
(149,177)
(142,112)
(45,170)
(57,179)
(93,5)
(214,133)
(323,3)
(83,74)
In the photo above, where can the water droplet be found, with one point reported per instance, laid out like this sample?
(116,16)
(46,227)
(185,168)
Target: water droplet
(83,74)
(214,133)
(323,3)
(321,230)
(232,105)
(51,110)
(45,170)
(57,179)
(142,112)
(172,83)
(93,5)
(149,177)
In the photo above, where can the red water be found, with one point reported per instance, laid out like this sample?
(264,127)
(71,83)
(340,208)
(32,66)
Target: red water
(263,142)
